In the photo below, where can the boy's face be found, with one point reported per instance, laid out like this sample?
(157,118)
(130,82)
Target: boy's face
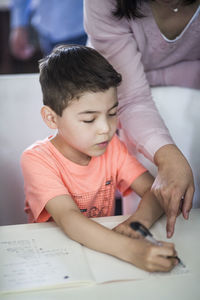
(87,125)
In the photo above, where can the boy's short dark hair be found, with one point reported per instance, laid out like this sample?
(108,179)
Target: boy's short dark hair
(71,70)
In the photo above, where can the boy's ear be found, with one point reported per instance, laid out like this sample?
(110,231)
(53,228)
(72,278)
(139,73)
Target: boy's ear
(49,117)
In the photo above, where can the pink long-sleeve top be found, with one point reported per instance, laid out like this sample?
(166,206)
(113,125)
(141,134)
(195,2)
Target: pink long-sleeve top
(138,50)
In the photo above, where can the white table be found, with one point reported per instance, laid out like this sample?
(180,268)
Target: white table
(180,287)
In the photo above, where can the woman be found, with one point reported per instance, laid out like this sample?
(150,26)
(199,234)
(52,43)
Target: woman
(151,43)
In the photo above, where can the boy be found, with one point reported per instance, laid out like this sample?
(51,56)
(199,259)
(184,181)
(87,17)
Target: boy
(73,175)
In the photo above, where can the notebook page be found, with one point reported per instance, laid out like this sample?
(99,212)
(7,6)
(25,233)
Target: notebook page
(106,268)
(38,259)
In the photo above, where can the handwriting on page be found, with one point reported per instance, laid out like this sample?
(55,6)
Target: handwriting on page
(37,259)
(178,270)
(26,264)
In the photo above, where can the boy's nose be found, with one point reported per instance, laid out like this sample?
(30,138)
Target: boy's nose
(103,127)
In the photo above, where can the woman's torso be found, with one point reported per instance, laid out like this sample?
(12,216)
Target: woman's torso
(158,52)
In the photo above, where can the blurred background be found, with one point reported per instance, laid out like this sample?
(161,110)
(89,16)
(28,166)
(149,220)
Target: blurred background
(30,29)
(8,63)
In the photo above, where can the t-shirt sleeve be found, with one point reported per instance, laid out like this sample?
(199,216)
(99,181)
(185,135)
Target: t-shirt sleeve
(128,167)
(42,182)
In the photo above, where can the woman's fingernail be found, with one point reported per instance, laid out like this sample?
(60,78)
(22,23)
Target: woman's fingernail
(187,215)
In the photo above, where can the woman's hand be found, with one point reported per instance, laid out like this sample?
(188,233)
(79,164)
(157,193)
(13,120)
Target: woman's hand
(174,184)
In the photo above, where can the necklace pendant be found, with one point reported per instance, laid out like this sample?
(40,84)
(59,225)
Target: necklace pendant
(175,10)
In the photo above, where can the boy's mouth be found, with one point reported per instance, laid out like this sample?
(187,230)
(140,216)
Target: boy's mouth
(103,144)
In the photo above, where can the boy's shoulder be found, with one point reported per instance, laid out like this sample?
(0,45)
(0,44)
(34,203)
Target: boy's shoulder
(41,150)
(40,154)
(38,145)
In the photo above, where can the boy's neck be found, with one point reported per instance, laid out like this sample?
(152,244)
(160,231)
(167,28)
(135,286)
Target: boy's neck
(69,153)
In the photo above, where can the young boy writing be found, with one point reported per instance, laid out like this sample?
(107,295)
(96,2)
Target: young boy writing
(73,175)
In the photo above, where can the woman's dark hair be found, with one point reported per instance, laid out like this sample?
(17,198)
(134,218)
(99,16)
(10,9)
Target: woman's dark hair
(71,70)
(131,9)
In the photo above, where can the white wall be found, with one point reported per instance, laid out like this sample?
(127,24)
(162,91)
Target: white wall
(21,125)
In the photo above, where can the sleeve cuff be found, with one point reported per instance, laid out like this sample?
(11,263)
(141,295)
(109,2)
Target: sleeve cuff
(155,143)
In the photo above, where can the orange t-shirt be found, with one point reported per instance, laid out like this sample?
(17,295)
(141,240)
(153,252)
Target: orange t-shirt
(47,174)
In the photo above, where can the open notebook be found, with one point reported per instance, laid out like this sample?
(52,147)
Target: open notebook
(41,256)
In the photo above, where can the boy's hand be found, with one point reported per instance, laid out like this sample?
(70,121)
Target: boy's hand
(124,228)
(150,257)
(145,255)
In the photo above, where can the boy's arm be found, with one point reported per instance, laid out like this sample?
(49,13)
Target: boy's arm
(80,228)
(95,236)
(149,209)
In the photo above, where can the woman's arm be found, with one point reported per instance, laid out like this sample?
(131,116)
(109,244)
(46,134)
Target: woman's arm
(138,115)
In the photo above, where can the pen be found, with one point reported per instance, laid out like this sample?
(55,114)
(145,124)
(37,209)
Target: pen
(137,226)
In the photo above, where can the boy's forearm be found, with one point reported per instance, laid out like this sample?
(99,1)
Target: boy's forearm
(84,230)
(99,238)
(149,210)
(93,235)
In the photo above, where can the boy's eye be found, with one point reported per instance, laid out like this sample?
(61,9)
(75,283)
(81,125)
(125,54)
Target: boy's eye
(112,114)
(88,121)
